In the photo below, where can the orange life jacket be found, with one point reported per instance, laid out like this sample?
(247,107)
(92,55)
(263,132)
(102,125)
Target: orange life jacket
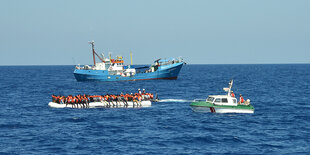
(241,99)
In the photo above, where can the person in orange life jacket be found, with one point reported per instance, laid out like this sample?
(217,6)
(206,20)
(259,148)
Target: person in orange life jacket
(59,99)
(81,101)
(70,100)
(151,96)
(75,101)
(143,95)
(88,98)
(241,99)
(113,97)
(67,100)
(134,97)
(232,94)
(130,97)
(121,98)
(139,97)
(106,97)
(85,100)
(62,99)
(53,98)
(78,99)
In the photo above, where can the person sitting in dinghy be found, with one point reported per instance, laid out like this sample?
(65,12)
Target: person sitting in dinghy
(54,98)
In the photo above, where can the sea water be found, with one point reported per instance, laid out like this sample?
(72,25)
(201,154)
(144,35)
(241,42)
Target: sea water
(280,124)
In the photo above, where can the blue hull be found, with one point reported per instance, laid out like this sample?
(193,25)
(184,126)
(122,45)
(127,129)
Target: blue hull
(164,72)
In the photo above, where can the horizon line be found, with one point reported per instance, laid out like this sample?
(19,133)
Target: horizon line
(186,64)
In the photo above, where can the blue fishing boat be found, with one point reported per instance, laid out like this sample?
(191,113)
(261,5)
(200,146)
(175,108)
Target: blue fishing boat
(114,69)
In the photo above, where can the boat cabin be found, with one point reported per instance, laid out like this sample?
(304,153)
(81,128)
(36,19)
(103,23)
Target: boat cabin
(222,100)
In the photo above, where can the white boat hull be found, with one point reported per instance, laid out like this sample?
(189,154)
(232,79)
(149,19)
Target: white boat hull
(113,104)
(221,110)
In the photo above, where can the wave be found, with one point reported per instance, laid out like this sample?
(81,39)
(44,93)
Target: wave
(174,100)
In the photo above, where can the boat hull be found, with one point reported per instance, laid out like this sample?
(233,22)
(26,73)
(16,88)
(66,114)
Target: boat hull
(104,104)
(169,72)
(220,110)
(207,107)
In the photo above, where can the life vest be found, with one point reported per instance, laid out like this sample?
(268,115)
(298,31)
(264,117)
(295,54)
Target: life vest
(241,99)
(112,97)
(62,99)
(101,98)
(106,97)
(73,99)
(232,94)
(79,98)
(53,98)
(126,97)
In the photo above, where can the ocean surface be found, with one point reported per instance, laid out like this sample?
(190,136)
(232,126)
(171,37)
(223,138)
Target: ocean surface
(280,124)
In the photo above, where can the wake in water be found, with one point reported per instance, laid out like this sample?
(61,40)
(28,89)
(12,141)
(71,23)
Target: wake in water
(175,100)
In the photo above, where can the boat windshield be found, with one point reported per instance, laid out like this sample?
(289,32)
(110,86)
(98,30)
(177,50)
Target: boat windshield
(210,99)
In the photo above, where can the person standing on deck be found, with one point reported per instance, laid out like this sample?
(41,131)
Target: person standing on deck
(232,94)
(241,99)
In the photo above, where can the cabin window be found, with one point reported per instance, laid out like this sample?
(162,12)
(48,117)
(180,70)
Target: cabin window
(210,99)
(218,100)
(224,100)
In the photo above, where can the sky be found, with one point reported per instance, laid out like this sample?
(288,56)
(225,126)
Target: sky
(56,32)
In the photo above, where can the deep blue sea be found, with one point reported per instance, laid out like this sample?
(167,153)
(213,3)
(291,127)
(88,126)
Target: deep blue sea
(280,124)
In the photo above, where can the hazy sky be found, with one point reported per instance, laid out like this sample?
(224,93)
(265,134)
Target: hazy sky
(56,32)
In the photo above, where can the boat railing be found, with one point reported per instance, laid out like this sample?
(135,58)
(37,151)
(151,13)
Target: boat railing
(170,62)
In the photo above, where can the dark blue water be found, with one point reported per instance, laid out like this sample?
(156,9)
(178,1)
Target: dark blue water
(280,124)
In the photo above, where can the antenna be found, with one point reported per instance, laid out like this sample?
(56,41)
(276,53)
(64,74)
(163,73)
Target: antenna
(230,86)
(131,57)
(91,42)
(93,49)
(110,53)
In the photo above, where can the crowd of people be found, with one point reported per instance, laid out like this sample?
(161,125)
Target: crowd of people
(109,98)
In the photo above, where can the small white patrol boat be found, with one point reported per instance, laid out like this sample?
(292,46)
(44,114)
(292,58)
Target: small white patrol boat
(222,104)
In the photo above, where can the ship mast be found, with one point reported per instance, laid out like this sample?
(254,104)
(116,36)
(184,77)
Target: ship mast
(93,49)
(131,57)
(230,85)
(94,53)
